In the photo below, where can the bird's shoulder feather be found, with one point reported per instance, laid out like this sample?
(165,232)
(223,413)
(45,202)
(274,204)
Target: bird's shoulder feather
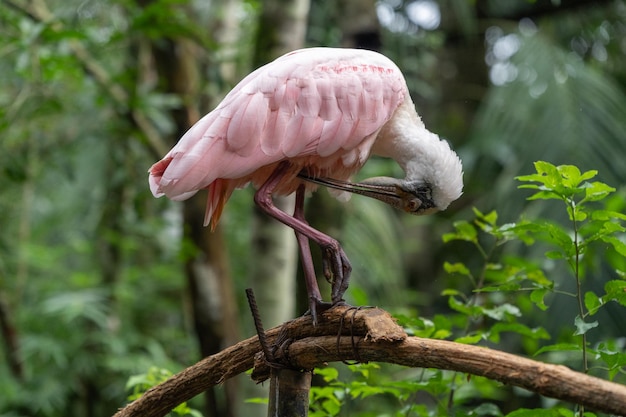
(314,101)
(319,103)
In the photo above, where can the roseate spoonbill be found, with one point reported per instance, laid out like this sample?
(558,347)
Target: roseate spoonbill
(313,117)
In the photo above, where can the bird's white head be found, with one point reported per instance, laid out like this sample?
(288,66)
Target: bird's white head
(437,168)
(434,173)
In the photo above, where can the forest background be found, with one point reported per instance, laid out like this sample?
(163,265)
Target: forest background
(99,281)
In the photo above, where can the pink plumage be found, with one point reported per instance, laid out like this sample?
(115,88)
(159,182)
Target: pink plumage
(310,118)
(320,108)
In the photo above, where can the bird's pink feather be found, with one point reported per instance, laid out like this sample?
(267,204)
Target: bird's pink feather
(321,108)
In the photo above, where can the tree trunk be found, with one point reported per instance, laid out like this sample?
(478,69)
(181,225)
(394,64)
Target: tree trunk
(211,298)
(210,287)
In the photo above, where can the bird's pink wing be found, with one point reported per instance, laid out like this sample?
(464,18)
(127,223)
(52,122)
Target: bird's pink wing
(321,104)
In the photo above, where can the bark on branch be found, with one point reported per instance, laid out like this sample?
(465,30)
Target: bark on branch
(372,335)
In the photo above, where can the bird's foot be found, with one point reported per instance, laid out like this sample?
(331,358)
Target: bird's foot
(317,307)
(337,270)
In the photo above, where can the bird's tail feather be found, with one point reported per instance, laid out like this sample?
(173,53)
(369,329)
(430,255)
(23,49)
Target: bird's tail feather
(219,192)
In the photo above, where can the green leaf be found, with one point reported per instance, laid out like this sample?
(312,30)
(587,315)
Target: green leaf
(137,381)
(616,291)
(532,273)
(558,347)
(607,215)
(464,231)
(486,222)
(544,195)
(469,310)
(502,312)
(332,407)
(596,191)
(469,339)
(582,326)
(572,178)
(522,230)
(548,232)
(546,170)
(587,175)
(491,218)
(618,245)
(571,175)
(257,400)
(562,183)
(508,232)
(456,305)
(554,254)
(613,356)
(364,368)
(521,329)
(576,213)
(507,286)
(452,292)
(486,409)
(182,409)
(592,302)
(556,235)
(537,297)
(456,268)
(328,374)
(547,174)
(539,412)
(441,334)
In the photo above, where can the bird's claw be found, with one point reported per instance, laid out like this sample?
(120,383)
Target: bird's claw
(337,270)
(317,307)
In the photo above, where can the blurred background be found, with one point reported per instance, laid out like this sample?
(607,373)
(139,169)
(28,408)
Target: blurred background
(99,280)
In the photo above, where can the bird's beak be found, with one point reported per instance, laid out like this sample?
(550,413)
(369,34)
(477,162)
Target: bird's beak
(410,197)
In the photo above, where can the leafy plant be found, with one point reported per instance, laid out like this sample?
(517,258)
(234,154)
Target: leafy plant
(587,227)
(138,384)
(574,244)
(499,294)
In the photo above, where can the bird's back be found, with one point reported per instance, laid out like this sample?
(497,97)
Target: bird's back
(320,108)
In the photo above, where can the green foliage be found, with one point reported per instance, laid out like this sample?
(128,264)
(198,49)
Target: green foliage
(90,263)
(496,300)
(387,388)
(550,412)
(139,384)
(91,294)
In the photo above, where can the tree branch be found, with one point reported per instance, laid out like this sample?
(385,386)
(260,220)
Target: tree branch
(555,381)
(372,335)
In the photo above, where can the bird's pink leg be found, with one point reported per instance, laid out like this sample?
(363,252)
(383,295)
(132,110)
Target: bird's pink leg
(335,257)
(313,290)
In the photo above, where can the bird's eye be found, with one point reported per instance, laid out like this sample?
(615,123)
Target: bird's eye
(413,205)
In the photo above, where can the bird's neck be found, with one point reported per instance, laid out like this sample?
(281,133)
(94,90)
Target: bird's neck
(403,137)
(423,156)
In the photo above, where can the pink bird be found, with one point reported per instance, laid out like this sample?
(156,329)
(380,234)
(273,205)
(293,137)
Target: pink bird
(313,117)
